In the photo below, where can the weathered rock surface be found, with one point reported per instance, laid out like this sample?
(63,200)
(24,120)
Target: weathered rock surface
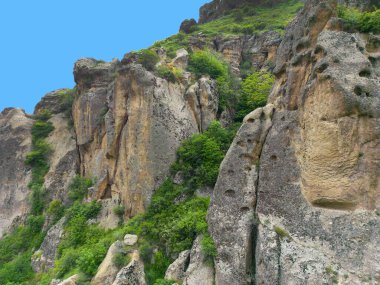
(130,240)
(203,100)
(307,214)
(44,258)
(16,142)
(199,272)
(234,199)
(64,160)
(133,273)
(192,267)
(360,4)
(128,128)
(177,270)
(107,271)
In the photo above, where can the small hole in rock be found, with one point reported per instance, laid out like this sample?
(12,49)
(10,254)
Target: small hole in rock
(273,157)
(244,209)
(365,73)
(230,193)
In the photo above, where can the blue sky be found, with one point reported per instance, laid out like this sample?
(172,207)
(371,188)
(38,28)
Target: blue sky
(41,39)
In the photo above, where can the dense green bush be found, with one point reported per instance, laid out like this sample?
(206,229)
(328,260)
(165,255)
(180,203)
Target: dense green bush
(366,22)
(200,156)
(148,58)
(254,93)
(205,62)
(42,129)
(208,247)
(78,188)
(164,282)
(121,259)
(55,211)
(170,73)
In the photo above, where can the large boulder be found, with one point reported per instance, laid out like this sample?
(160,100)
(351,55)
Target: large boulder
(44,258)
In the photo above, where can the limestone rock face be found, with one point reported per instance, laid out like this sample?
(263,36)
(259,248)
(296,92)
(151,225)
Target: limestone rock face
(16,142)
(107,271)
(64,161)
(234,199)
(203,101)
(128,128)
(133,273)
(259,50)
(44,258)
(307,210)
(199,271)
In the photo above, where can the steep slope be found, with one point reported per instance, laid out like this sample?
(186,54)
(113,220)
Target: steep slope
(123,166)
(303,202)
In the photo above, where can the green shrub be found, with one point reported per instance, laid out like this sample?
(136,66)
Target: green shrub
(55,210)
(90,258)
(42,129)
(39,155)
(119,211)
(43,115)
(156,269)
(169,73)
(164,282)
(16,271)
(208,247)
(78,188)
(148,58)
(121,259)
(365,22)
(207,63)
(254,93)
(200,156)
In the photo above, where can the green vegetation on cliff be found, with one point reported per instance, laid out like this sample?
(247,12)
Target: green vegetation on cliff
(365,22)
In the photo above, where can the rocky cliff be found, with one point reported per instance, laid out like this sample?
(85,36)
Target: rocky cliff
(297,198)
(299,188)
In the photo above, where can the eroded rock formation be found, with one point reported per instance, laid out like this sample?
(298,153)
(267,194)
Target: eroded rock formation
(308,214)
(15,137)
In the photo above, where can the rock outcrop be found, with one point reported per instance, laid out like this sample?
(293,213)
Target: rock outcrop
(15,137)
(44,258)
(133,273)
(307,210)
(129,124)
(192,267)
(107,271)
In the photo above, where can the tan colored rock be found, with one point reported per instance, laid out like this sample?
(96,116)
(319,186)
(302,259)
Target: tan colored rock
(107,271)
(133,273)
(73,280)
(64,160)
(199,272)
(130,240)
(203,101)
(177,270)
(15,140)
(136,123)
